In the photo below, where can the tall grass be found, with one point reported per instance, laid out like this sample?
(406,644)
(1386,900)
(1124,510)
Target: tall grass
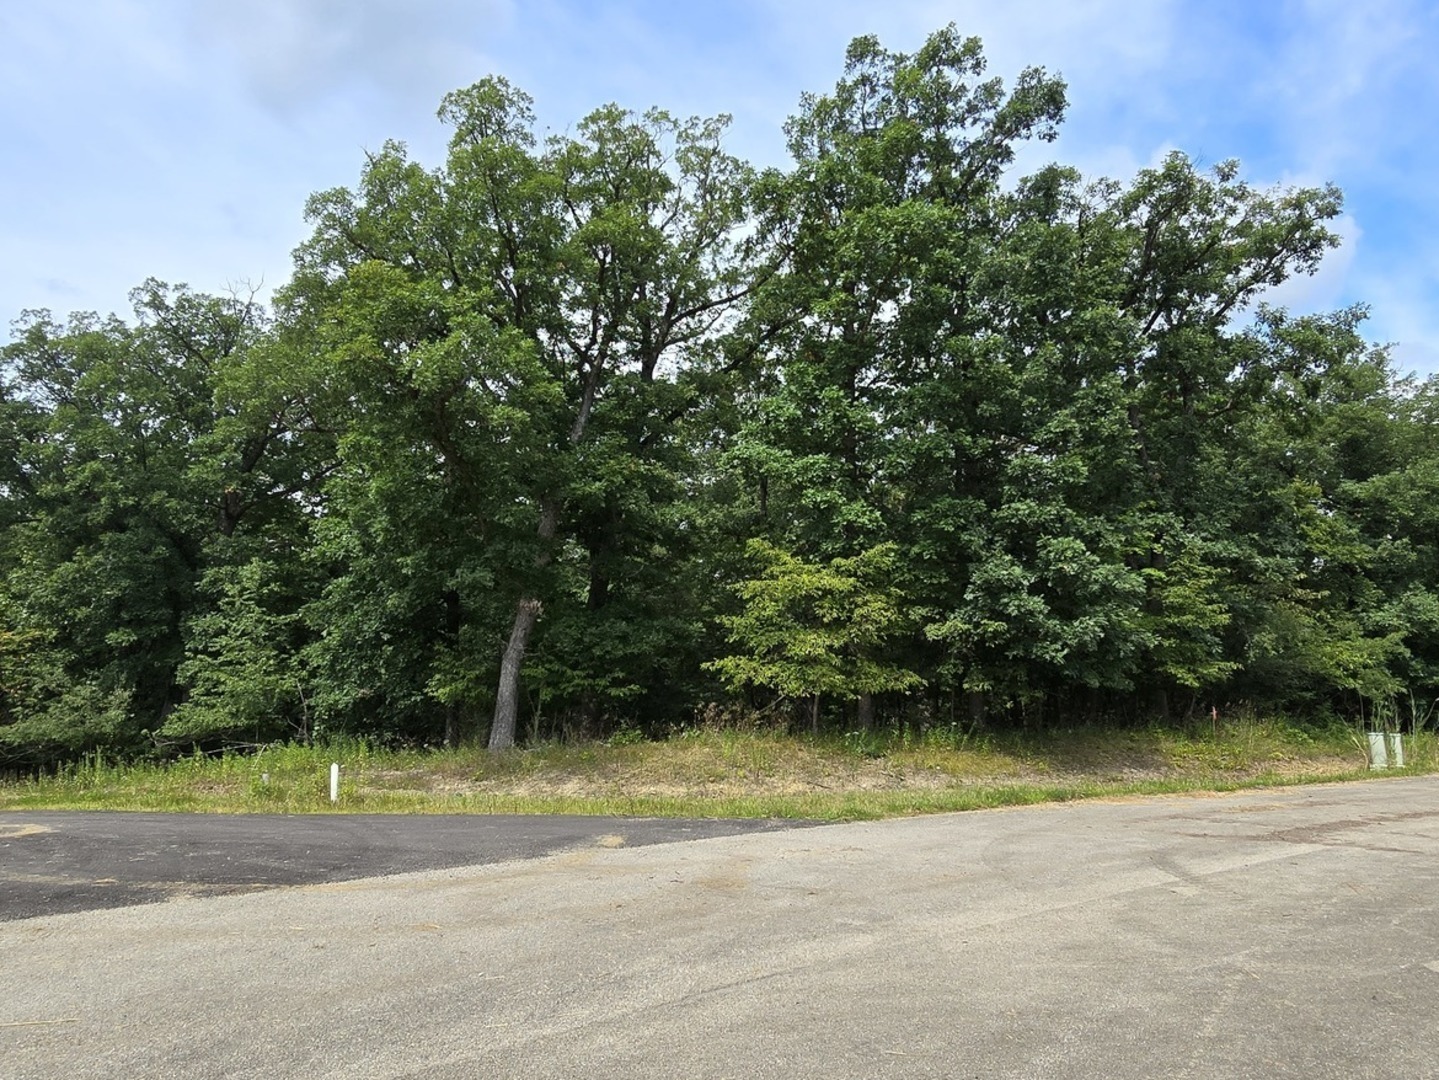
(719,772)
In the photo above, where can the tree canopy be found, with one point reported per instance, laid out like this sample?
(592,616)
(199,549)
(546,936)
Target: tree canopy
(584,431)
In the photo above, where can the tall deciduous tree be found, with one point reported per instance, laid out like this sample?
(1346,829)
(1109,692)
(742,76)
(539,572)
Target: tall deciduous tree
(133,471)
(606,260)
(806,631)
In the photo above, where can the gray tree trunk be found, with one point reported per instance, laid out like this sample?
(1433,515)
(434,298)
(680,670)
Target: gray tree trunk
(507,698)
(453,620)
(974,699)
(527,613)
(865,709)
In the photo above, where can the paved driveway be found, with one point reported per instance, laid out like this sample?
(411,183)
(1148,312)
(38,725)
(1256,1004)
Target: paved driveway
(1289,933)
(59,862)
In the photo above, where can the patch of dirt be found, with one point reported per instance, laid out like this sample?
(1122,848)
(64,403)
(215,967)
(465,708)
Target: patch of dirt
(821,776)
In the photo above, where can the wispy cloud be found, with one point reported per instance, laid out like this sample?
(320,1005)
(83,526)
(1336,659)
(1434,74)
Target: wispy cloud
(180,137)
(294,53)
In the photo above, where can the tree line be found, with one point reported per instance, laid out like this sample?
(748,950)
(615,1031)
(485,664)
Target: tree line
(599,429)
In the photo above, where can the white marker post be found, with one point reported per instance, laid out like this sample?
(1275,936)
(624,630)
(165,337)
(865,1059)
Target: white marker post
(1378,751)
(1396,749)
(334,781)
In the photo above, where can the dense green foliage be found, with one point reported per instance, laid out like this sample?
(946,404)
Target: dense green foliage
(587,432)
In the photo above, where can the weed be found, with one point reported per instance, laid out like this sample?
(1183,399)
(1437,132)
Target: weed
(725,770)
(626,736)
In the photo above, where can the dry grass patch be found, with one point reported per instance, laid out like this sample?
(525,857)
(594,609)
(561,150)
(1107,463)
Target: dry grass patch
(718,772)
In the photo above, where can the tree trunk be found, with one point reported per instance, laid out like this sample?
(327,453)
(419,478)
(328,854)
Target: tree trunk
(974,700)
(527,613)
(865,709)
(453,618)
(588,723)
(1158,694)
(452,725)
(507,699)
(232,508)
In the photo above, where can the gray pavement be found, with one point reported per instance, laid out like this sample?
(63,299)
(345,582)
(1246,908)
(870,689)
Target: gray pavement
(1290,933)
(55,862)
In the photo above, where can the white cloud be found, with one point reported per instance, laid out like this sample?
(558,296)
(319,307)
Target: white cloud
(294,53)
(180,137)
(1341,75)
(1404,315)
(1327,288)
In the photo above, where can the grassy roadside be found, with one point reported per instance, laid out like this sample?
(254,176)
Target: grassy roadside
(725,773)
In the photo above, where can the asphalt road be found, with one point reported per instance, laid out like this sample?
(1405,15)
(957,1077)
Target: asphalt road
(1289,933)
(57,862)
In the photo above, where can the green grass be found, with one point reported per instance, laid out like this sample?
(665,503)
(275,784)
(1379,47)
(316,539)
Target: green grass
(725,773)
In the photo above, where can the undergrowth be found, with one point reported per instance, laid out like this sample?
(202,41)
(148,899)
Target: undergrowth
(725,772)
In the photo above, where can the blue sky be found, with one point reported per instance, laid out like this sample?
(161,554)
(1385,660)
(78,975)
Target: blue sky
(179,138)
